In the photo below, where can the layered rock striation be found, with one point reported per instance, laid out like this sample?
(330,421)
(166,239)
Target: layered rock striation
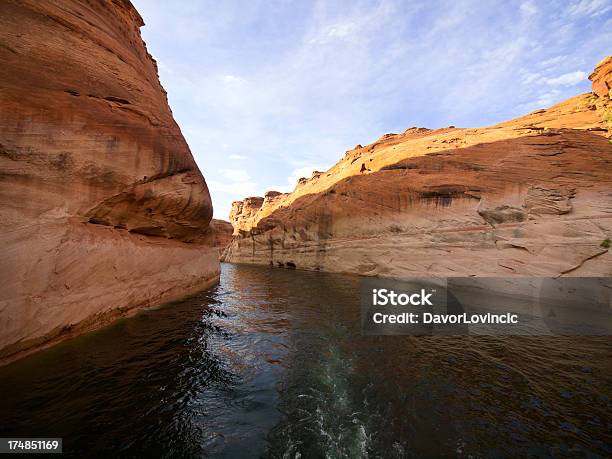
(103,207)
(602,79)
(527,197)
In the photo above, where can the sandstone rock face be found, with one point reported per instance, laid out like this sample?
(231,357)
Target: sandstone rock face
(221,234)
(602,78)
(528,197)
(103,207)
(243,212)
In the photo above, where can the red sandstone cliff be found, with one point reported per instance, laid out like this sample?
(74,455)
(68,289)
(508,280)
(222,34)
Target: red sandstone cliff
(221,234)
(531,196)
(602,79)
(103,207)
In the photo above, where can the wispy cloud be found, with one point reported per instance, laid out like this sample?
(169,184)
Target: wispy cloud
(567,79)
(589,8)
(333,32)
(552,62)
(528,8)
(233,79)
(235,184)
(235,175)
(280,91)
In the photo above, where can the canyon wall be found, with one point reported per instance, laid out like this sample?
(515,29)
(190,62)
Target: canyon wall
(103,207)
(528,197)
(221,233)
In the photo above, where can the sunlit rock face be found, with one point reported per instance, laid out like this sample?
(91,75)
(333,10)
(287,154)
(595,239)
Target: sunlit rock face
(602,78)
(103,207)
(531,196)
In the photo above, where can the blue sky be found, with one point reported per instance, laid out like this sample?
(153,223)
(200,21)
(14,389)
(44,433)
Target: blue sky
(267,91)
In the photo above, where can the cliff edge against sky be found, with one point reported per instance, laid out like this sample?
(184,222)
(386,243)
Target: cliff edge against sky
(103,207)
(528,197)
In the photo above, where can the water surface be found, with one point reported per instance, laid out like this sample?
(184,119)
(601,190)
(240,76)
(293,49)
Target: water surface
(271,363)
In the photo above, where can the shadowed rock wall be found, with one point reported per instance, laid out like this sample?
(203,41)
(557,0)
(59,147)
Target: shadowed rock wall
(103,207)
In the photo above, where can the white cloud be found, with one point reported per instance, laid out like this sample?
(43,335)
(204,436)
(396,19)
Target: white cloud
(589,8)
(236,189)
(528,8)
(543,100)
(531,78)
(232,184)
(334,31)
(342,30)
(235,175)
(548,98)
(163,67)
(552,62)
(355,25)
(287,99)
(233,79)
(567,79)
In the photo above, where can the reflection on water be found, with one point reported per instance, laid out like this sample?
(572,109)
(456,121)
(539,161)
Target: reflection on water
(272,363)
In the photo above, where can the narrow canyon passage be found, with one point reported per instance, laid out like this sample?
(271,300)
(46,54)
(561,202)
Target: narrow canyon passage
(272,363)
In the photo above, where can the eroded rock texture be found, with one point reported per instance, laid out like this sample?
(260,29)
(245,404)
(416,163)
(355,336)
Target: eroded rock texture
(532,196)
(602,78)
(103,207)
(221,234)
